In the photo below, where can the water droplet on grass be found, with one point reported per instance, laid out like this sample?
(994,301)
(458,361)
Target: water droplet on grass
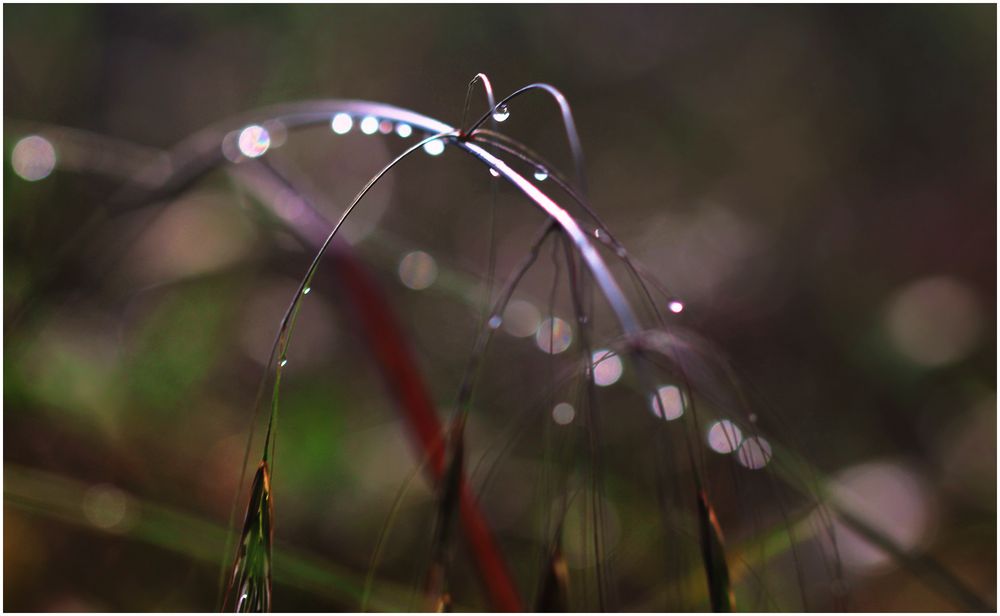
(607,367)
(253,141)
(501,113)
(417,270)
(33,158)
(754,453)
(495,321)
(434,147)
(671,403)
(541,174)
(563,413)
(676,306)
(554,335)
(369,125)
(342,123)
(724,436)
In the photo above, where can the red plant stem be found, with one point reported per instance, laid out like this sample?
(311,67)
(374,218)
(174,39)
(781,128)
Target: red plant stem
(388,343)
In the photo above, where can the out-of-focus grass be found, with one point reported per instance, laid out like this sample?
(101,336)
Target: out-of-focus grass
(46,494)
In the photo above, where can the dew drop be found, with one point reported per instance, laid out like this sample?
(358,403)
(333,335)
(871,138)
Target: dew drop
(434,147)
(501,114)
(563,413)
(495,321)
(403,130)
(724,436)
(418,270)
(306,290)
(671,403)
(754,453)
(494,173)
(369,125)
(541,174)
(33,158)
(597,233)
(676,306)
(342,123)
(283,362)
(607,367)
(554,335)
(253,141)
(521,318)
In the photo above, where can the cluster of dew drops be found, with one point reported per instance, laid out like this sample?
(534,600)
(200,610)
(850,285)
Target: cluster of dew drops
(418,270)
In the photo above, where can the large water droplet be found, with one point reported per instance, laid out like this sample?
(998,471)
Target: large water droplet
(607,367)
(33,158)
(724,436)
(369,125)
(754,453)
(418,270)
(501,113)
(541,174)
(554,335)
(671,403)
(563,413)
(342,123)
(434,147)
(306,290)
(254,140)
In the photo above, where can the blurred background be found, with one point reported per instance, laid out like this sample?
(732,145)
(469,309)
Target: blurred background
(817,184)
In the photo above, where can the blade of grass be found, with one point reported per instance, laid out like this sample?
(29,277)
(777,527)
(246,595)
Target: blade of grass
(250,585)
(62,498)
(713,554)
(388,343)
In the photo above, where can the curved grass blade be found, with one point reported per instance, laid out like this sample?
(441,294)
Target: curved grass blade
(720,593)
(250,585)
(554,593)
(449,486)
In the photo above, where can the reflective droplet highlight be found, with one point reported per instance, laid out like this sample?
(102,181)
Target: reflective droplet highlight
(494,322)
(554,335)
(494,173)
(754,453)
(671,404)
(501,113)
(541,174)
(306,290)
(253,141)
(563,413)
(521,318)
(369,125)
(607,367)
(417,270)
(434,147)
(33,158)
(724,436)
(282,362)
(342,123)
(676,306)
